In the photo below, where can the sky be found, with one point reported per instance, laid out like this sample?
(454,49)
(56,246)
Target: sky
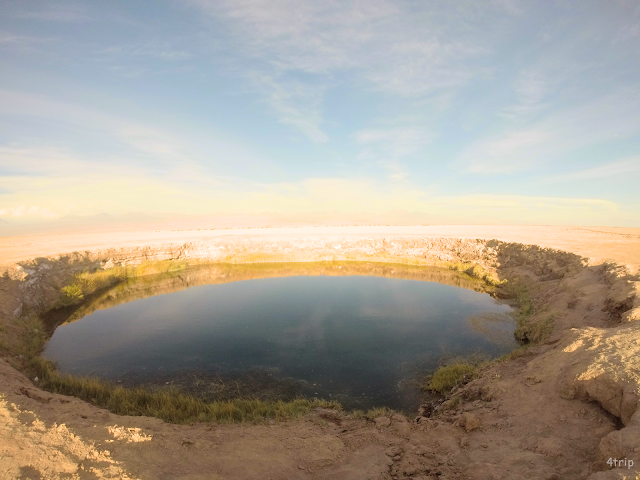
(503,111)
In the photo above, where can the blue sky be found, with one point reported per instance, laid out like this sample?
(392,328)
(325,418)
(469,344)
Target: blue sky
(452,112)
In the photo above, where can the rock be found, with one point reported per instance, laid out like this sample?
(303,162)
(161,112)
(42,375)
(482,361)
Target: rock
(623,296)
(619,444)
(393,451)
(631,315)
(409,470)
(382,421)
(605,368)
(426,409)
(449,404)
(470,421)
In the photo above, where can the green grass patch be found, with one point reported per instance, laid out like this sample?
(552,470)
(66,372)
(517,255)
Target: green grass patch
(88,282)
(520,293)
(475,271)
(377,412)
(513,354)
(447,377)
(534,330)
(530,328)
(33,337)
(167,404)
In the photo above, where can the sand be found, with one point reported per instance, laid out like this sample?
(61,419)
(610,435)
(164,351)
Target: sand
(599,243)
(558,412)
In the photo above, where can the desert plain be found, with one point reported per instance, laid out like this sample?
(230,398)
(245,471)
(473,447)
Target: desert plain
(560,410)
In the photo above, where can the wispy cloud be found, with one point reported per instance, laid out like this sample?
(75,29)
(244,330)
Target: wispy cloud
(85,192)
(629,166)
(395,90)
(396,142)
(531,88)
(395,47)
(47,160)
(388,146)
(52,12)
(132,142)
(297,104)
(24,43)
(493,201)
(612,117)
(144,139)
(160,49)
(512,6)
(535,210)
(515,151)
(27,211)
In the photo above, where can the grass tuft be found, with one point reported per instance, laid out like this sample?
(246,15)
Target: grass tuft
(33,337)
(513,354)
(475,271)
(520,293)
(534,331)
(168,405)
(377,412)
(531,327)
(447,377)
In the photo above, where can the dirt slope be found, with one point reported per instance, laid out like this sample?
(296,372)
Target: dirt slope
(558,412)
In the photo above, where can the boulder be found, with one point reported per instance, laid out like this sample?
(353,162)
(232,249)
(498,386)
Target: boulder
(470,421)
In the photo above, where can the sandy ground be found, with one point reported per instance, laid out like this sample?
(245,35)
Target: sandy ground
(597,243)
(558,412)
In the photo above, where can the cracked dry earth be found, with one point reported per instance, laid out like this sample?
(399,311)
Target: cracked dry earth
(559,411)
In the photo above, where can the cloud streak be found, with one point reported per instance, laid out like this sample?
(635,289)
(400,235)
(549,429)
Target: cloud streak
(27,211)
(609,118)
(160,49)
(54,13)
(86,191)
(241,106)
(296,104)
(393,47)
(629,166)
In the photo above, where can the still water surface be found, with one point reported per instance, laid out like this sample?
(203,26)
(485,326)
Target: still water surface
(362,340)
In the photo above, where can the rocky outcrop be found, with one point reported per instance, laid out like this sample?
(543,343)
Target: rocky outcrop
(604,367)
